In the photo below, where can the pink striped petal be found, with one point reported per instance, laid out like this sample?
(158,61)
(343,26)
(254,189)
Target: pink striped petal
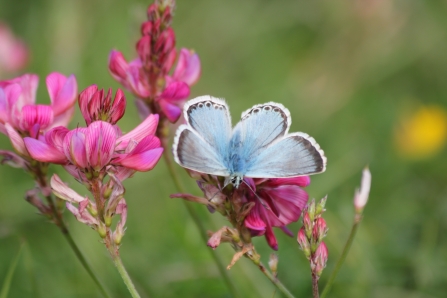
(16,140)
(29,83)
(145,128)
(75,147)
(289,201)
(84,99)
(8,97)
(100,144)
(36,114)
(41,151)
(55,137)
(143,161)
(63,91)
(301,181)
(117,65)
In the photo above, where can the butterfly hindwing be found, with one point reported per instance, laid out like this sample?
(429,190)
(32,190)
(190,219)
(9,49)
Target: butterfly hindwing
(193,152)
(296,154)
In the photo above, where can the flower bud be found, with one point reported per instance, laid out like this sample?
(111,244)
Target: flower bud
(307,223)
(311,210)
(319,230)
(303,242)
(320,259)
(320,206)
(361,196)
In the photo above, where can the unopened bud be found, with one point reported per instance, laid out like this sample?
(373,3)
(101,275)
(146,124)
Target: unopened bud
(361,196)
(273,264)
(303,242)
(319,230)
(307,223)
(320,206)
(102,231)
(320,259)
(311,209)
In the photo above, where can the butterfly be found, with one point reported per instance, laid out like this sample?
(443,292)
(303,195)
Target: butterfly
(259,146)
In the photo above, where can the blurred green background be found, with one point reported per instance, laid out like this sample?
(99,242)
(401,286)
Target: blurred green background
(366,78)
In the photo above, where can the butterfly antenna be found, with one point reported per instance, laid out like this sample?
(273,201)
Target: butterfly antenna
(256,195)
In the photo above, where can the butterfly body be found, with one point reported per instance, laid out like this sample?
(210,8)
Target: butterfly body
(259,146)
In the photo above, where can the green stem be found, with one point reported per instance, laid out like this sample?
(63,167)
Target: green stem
(61,224)
(327,287)
(59,221)
(276,282)
(198,223)
(124,275)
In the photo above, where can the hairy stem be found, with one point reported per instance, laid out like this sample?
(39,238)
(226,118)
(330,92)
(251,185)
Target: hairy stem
(341,259)
(276,282)
(315,292)
(114,253)
(196,218)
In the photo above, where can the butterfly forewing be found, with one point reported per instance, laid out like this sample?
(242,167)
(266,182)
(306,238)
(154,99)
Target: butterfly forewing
(193,152)
(295,155)
(259,127)
(210,118)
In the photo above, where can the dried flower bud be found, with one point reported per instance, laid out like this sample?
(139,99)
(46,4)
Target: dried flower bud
(273,264)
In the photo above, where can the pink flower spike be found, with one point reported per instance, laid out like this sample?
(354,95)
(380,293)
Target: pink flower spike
(145,128)
(62,90)
(13,51)
(16,140)
(100,144)
(43,152)
(62,191)
(188,67)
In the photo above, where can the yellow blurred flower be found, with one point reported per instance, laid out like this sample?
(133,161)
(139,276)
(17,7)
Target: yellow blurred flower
(422,134)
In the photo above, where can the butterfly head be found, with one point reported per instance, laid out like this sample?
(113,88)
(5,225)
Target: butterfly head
(236,180)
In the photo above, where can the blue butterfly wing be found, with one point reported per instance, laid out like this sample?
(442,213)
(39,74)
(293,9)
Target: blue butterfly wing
(202,145)
(191,151)
(259,127)
(296,154)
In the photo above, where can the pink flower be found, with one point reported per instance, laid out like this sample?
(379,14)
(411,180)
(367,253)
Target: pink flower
(13,51)
(94,148)
(278,202)
(188,67)
(319,259)
(130,75)
(172,99)
(18,108)
(95,106)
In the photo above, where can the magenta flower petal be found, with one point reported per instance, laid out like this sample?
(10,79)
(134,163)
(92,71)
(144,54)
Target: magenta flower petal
(144,161)
(175,91)
(289,200)
(43,152)
(171,111)
(301,181)
(100,144)
(16,140)
(29,83)
(63,91)
(271,239)
(188,67)
(61,190)
(55,137)
(118,66)
(145,128)
(8,97)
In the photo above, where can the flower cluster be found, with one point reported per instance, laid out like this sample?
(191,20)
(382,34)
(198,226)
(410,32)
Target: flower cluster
(311,234)
(100,150)
(254,208)
(147,76)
